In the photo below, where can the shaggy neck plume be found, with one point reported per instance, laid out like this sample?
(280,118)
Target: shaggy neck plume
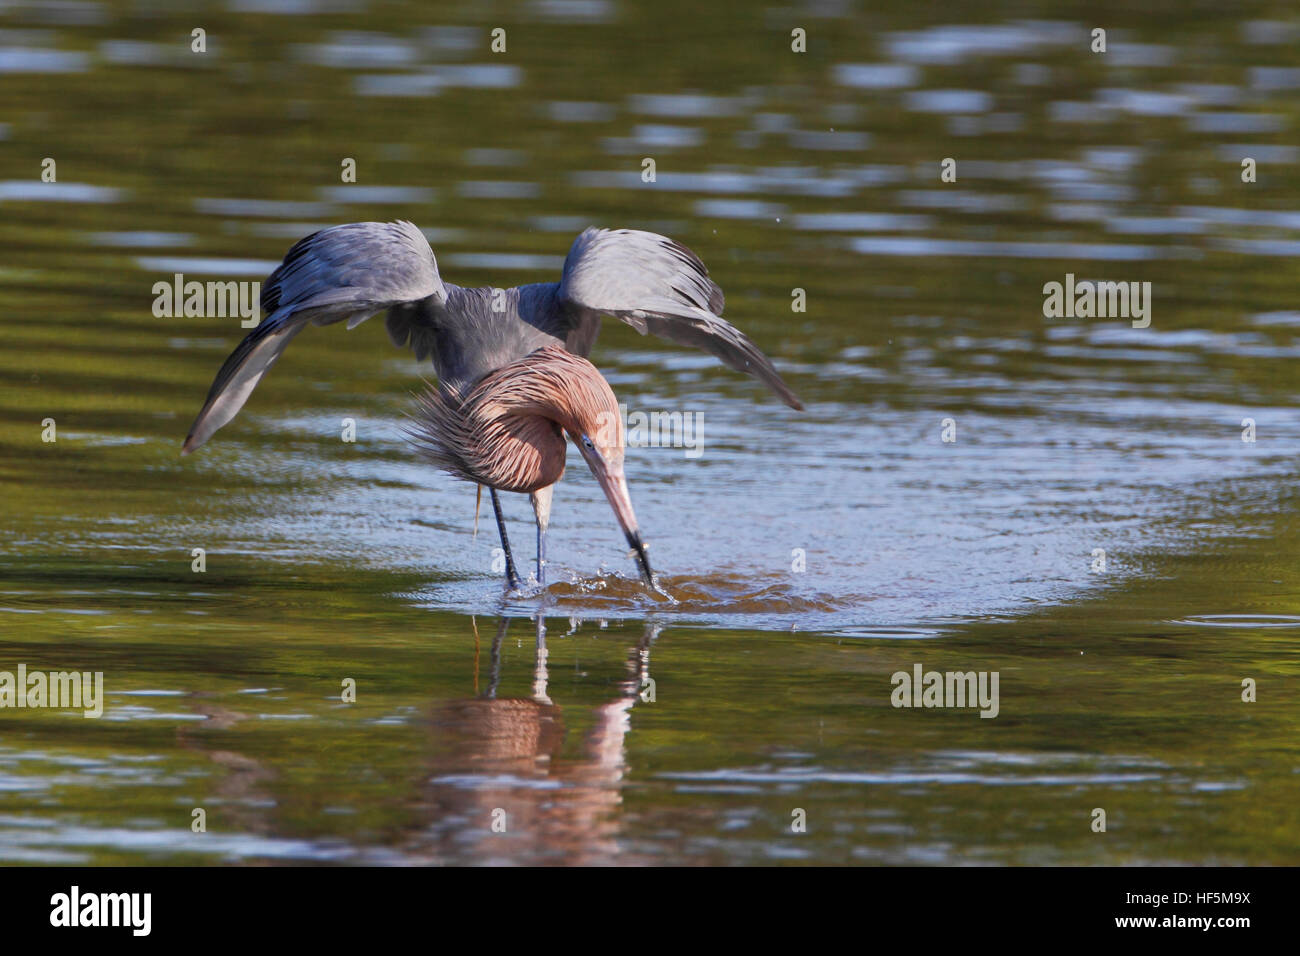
(508,432)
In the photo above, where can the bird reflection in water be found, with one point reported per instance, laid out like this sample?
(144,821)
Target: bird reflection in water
(503,755)
(490,755)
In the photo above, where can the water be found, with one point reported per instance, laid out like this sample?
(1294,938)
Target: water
(330,561)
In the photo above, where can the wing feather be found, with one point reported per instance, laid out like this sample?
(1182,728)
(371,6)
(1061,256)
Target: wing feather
(348,272)
(657,285)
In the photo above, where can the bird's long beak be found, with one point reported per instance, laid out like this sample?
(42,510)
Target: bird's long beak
(614,485)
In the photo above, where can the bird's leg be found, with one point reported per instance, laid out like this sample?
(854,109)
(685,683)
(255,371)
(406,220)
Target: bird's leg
(540,676)
(512,576)
(502,626)
(541,500)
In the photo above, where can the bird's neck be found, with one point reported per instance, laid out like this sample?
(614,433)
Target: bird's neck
(516,451)
(542,392)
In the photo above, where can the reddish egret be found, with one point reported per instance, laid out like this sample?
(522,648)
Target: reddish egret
(508,433)
(354,271)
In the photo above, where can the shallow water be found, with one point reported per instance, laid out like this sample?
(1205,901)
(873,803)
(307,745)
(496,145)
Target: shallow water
(812,555)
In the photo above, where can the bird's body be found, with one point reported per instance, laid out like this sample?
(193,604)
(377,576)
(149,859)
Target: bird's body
(486,343)
(476,331)
(507,431)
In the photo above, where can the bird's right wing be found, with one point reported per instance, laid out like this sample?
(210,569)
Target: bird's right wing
(655,284)
(345,272)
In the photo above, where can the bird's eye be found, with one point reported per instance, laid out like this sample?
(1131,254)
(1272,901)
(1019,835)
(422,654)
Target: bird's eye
(587,442)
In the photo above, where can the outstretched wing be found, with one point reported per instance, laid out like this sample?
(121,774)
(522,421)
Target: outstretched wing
(657,285)
(345,272)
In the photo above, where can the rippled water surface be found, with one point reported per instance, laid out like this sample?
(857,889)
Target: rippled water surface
(1098,533)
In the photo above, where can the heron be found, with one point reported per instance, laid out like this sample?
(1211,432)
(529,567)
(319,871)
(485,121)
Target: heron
(507,433)
(483,341)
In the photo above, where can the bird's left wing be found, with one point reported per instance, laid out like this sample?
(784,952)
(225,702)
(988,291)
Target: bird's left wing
(655,284)
(344,272)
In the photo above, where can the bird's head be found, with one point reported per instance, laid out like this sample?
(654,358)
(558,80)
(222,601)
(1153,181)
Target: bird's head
(604,456)
(586,408)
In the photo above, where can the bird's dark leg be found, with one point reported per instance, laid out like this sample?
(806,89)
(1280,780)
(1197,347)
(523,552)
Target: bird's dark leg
(512,576)
(541,557)
(541,500)
(502,625)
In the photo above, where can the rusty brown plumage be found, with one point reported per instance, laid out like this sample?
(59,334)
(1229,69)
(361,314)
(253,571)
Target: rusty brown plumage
(508,433)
